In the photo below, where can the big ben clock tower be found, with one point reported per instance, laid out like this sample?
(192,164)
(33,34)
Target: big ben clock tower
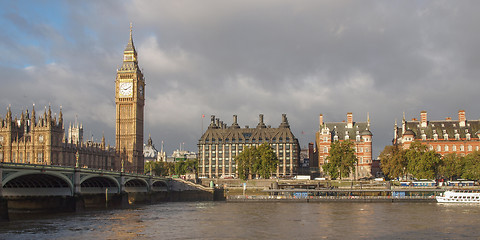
(130,102)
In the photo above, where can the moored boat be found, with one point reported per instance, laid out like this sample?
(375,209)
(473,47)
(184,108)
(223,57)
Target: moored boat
(459,196)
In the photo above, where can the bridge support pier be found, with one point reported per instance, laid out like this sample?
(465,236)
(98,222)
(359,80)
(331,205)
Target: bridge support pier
(4,210)
(119,200)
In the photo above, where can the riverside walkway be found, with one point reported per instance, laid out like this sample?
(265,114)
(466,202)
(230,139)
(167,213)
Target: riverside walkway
(341,195)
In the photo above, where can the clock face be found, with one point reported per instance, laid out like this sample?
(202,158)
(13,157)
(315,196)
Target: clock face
(125,89)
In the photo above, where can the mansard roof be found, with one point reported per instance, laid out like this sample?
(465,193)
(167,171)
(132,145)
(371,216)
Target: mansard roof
(341,129)
(217,131)
(441,128)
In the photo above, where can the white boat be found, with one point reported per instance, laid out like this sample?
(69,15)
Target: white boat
(459,196)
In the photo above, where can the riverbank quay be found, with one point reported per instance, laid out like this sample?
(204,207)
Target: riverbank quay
(341,195)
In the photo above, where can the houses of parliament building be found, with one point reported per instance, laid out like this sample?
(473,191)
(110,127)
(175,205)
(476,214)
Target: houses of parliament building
(42,140)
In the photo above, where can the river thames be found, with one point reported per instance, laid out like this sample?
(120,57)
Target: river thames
(222,220)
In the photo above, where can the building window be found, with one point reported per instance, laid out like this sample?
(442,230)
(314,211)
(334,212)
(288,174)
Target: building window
(470,148)
(445,136)
(424,137)
(462,148)
(40,157)
(431,148)
(468,136)
(358,138)
(335,138)
(446,148)
(360,149)
(454,148)
(435,137)
(325,149)
(439,148)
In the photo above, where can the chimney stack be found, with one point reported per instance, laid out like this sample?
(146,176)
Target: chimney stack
(423,118)
(349,120)
(461,118)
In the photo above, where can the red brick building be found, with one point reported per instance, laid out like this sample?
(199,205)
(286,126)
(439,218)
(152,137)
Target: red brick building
(357,132)
(460,136)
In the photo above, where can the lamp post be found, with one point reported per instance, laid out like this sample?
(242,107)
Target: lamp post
(77,155)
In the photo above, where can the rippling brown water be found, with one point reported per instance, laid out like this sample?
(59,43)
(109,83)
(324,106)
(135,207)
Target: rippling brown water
(220,220)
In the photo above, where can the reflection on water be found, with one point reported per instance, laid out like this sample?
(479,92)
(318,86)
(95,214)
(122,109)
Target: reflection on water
(220,220)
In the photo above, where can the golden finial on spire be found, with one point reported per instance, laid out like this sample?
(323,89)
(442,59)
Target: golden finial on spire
(130,29)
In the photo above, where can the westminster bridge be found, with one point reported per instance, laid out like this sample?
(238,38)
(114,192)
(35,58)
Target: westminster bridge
(59,188)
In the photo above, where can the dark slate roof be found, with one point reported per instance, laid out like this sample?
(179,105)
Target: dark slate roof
(219,133)
(340,129)
(450,127)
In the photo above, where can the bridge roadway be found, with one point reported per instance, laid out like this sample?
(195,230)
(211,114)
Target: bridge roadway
(59,188)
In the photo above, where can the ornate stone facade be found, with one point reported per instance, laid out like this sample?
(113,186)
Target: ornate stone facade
(220,144)
(130,102)
(460,136)
(356,132)
(42,141)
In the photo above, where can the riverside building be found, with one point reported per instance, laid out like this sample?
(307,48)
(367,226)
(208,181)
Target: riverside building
(356,132)
(42,141)
(220,143)
(460,136)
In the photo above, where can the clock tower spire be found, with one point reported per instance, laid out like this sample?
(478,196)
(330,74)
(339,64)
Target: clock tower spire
(130,102)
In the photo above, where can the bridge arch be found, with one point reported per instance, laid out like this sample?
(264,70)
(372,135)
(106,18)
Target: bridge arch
(34,183)
(159,185)
(92,184)
(136,185)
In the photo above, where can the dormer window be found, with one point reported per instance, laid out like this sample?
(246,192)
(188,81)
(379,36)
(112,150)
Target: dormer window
(424,137)
(335,138)
(457,136)
(445,136)
(358,138)
(347,137)
(468,136)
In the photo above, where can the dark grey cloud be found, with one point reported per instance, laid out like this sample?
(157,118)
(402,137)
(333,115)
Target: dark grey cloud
(302,58)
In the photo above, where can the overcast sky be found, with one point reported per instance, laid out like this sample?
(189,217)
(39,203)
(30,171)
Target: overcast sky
(302,58)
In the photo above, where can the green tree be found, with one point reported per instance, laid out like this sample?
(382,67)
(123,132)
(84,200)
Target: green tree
(245,162)
(159,168)
(261,162)
(422,163)
(341,159)
(393,161)
(266,161)
(452,166)
(185,166)
(471,166)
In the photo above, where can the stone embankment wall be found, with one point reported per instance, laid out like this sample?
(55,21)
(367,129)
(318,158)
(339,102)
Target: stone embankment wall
(181,190)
